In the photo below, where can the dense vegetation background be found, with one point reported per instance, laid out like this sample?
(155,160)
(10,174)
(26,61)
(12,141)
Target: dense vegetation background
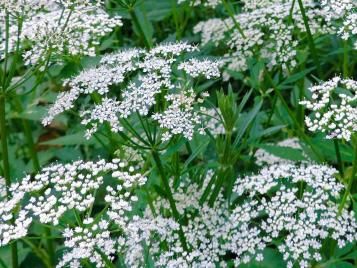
(226,171)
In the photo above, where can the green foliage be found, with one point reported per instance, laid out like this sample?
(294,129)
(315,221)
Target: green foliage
(257,108)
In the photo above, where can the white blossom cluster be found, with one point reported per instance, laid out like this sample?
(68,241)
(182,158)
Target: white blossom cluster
(139,76)
(89,241)
(292,206)
(211,232)
(180,116)
(265,158)
(333,104)
(54,29)
(206,231)
(266,32)
(295,205)
(60,188)
(206,3)
(345,11)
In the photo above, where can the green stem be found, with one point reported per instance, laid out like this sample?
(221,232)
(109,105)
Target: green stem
(39,252)
(309,38)
(223,173)
(231,14)
(175,17)
(345,59)
(134,17)
(7,36)
(350,181)
(6,167)
(170,198)
(338,156)
(36,166)
(295,121)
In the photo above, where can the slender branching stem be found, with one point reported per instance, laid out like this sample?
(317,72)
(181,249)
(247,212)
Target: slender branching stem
(292,116)
(231,14)
(134,17)
(170,197)
(339,159)
(36,166)
(345,59)
(6,165)
(310,38)
(351,178)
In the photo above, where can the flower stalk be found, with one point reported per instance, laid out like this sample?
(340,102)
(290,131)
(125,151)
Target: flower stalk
(310,38)
(351,178)
(169,196)
(6,165)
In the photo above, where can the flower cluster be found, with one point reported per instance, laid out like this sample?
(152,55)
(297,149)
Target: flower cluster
(345,11)
(333,104)
(206,230)
(277,46)
(271,207)
(294,205)
(88,242)
(53,29)
(140,76)
(60,188)
(180,116)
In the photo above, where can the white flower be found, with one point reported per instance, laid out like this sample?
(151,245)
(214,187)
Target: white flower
(147,74)
(276,46)
(63,187)
(333,104)
(56,28)
(301,218)
(88,243)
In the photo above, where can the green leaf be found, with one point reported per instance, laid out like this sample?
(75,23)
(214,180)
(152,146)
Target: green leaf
(199,149)
(295,77)
(272,259)
(246,120)
(157,10)
(36,113)
(267,132)
(174,148)
(328,150)
(71,139)
(339,264)
(284,152)
(142,26)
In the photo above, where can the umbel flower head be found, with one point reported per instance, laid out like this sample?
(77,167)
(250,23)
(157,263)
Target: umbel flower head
(206,230)
(268,31)
(270,208)
(333,106)
(64,187)
(345,14)
(129,81)
(54,29)
(296,207)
